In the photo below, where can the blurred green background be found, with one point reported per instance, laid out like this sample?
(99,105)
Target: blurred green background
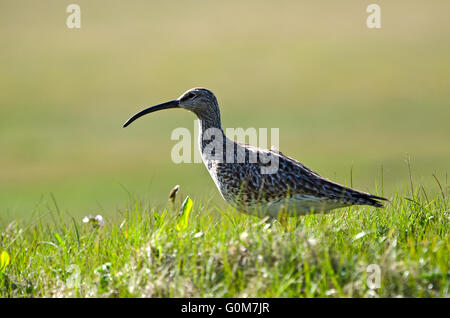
(345,97)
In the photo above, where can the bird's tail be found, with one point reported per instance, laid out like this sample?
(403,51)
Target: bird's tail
(349,196)
(362,198)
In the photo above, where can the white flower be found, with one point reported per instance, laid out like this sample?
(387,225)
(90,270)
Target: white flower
(198,234)
(96,222)
(100,220)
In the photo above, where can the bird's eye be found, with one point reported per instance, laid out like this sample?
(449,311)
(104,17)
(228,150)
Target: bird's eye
(190,95)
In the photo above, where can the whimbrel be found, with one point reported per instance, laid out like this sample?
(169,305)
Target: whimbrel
(241,180)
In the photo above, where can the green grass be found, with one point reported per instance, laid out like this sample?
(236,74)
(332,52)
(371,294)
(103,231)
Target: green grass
(213,252)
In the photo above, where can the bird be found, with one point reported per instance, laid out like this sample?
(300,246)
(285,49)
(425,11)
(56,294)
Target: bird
(244,177)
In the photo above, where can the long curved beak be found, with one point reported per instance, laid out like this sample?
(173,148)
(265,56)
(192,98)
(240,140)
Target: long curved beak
(172,104)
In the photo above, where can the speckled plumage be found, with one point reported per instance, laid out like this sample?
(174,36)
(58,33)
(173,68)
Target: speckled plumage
(240,181)
(293,186)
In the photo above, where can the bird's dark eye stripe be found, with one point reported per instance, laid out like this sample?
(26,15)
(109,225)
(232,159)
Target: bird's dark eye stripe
(190,95)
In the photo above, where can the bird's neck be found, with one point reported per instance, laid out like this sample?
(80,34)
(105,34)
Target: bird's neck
(210,130)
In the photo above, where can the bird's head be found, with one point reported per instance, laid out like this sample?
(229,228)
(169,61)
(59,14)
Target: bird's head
(200,101)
